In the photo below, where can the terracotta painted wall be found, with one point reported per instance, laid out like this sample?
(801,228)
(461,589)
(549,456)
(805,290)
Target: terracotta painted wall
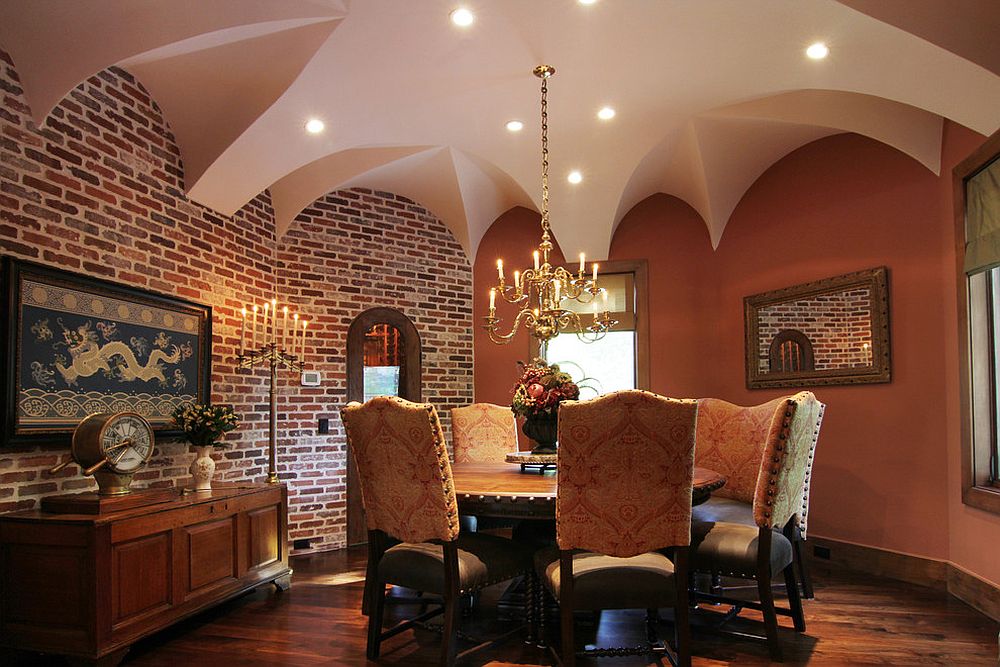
(886,469)
(881,468)
(974,534)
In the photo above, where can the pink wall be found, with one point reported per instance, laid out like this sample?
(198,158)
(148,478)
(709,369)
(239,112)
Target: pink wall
(886,470)
(512,238)
(974,534)
(881,468)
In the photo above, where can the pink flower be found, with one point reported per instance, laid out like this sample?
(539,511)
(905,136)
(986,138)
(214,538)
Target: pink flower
(535,390)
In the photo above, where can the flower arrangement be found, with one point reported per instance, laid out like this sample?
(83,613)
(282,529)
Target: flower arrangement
(541,388)
(205,424)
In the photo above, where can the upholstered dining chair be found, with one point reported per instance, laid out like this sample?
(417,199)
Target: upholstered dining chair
(409,497)
(764,549)
(483,433)
(732,440)
(625,467)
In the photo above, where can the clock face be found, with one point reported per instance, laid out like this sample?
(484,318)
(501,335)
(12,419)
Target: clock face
(127,442)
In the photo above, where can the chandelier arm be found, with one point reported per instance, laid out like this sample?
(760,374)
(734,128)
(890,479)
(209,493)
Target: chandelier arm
(517,296)
(502,339)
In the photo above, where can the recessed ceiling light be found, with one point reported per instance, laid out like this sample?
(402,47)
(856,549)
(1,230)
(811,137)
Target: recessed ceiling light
(587,2)
(574,177)
(606,113)
(315,126)
(514,126)
(818,51)
(462,17)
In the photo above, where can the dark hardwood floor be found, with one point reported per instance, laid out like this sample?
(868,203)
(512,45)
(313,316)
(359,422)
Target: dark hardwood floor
(854,620)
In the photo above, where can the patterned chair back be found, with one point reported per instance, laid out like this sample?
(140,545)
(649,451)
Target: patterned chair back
(483,433)
(781,485)
(402,462)
(626,462)
(732,440)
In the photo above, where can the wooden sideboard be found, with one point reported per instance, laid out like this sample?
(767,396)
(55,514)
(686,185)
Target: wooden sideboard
(88,586)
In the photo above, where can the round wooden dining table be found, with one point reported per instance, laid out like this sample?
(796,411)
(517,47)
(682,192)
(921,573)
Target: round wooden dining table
(502,490)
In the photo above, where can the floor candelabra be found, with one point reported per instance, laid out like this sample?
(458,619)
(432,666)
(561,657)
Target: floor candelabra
(273,355)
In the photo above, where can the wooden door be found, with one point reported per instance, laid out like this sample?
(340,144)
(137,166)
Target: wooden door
(378,338)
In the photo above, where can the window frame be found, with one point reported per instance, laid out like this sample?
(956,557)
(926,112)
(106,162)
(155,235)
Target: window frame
(979,487)
(639,269)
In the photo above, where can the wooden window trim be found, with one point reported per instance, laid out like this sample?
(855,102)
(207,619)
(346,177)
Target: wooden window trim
(639,268)
(977,490)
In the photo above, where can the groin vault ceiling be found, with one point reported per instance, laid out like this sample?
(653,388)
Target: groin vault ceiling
(707,94)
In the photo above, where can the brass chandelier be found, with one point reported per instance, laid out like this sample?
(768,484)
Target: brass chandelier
(541,289)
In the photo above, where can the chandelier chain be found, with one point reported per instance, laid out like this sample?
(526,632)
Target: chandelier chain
(545,159)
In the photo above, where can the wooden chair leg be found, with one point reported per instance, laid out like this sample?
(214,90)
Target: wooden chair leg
(568,643)
(798,546)
(682,621)
(529,606)
(540,611)
(370,574)
(452,605)
(376,610)
(374,593)
(794,600)
(766,594)
(716,585)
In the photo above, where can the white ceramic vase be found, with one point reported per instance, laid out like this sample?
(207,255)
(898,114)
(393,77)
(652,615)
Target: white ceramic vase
(203,468)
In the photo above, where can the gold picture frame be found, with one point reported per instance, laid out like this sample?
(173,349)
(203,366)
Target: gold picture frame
(833,331)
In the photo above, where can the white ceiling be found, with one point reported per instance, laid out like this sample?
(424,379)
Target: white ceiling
(709,94)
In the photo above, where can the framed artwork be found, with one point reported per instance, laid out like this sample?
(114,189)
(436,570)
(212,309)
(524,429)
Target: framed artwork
(833,331)
(75,345)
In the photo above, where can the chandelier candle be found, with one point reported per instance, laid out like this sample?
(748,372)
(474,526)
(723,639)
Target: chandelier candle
(539,291)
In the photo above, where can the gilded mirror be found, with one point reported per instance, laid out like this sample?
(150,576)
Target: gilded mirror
(827,332)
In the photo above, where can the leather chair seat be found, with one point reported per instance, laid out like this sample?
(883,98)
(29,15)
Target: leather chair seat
(607,582)
(731,549)
(482,560)
(723,510)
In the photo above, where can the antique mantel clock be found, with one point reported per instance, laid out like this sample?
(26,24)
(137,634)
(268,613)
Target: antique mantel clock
(112,448)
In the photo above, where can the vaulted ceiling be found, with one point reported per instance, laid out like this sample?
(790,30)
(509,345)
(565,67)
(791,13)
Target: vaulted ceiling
(708,94)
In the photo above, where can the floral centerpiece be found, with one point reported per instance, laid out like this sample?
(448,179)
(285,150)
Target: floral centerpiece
(537,395)
(204,426)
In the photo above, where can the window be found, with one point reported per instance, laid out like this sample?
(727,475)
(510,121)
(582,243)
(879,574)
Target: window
(977,194)
(984,339)
(383,359)
(618,360)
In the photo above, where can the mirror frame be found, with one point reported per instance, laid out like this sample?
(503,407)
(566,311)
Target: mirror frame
(876,280)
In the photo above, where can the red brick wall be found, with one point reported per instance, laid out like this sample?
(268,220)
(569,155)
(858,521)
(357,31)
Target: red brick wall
(837,325)
(97,190)
(350,251)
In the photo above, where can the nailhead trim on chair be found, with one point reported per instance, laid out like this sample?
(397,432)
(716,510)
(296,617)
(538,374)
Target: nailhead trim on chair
(806,482)
(446,480)
(779,459)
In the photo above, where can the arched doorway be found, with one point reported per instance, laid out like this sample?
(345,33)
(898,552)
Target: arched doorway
(790,351)
(383,358)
